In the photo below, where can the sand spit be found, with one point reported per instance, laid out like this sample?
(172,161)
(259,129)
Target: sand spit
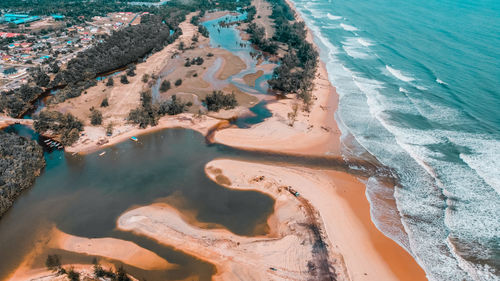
(111,248)
(107,250)
(294,249)
(236,257)
(342,211)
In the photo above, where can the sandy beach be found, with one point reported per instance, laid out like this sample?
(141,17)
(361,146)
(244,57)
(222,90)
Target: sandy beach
(107,249)
(312,133)
(343,210)
(321,227)
(286,253)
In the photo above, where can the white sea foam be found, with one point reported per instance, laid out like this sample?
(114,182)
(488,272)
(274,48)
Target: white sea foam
(355,49)
(403,90)
(399,74)
(384,213)
(363,109)
(439,81)
(365,42)
(332,17)
(347,27)
(484,156)
(331,26)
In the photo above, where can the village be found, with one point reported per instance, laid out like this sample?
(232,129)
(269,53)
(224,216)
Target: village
(49,42)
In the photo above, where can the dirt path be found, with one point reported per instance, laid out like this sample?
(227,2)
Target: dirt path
(262,17)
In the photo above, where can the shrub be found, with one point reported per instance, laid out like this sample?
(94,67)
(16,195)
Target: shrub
(73,275)
(146,114)
(165,86)
(95,117)
(217,100)
(203,31)
(131,70)
(124,79)
(53,262)
(145,78)
(198,61)
(172,107)
(178,82)
(104,102)
(110,82)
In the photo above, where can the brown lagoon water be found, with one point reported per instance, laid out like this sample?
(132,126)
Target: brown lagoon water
(84,195)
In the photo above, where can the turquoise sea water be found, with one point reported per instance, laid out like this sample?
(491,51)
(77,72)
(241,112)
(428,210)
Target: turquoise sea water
(419,86)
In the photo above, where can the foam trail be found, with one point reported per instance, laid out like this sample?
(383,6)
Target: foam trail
(365,42)
(398,74)
(332,17)
(439,81)
(354,48)
(403,90)
(347,27)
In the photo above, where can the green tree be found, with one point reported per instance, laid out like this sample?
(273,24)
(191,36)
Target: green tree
(165,86)
(110,82)
(95,117)
(123,79)
(53,262)
(121,274)
(217,100)
(73,275)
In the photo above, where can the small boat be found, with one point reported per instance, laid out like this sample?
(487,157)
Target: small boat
(102,153)
(134,139)
(46,141)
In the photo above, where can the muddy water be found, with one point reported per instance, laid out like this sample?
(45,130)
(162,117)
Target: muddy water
(84,195)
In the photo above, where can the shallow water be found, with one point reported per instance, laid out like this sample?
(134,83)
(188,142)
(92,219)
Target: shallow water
(84,195)
(229,38)
(418,86)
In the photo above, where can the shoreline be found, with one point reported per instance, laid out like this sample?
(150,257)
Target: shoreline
(351,235)
(185,120)
(287,252)
(395,256)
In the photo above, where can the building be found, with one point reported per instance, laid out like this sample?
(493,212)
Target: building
(27,20)
(57,17)
(10,71)
(18,18)
(14,17)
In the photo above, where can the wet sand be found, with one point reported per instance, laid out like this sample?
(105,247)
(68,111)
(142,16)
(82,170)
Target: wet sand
(250,78)
(343,209)
(286,253)
(356,249)
(108,249)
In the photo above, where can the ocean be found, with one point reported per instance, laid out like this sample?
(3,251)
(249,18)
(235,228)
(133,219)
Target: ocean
(419,87)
